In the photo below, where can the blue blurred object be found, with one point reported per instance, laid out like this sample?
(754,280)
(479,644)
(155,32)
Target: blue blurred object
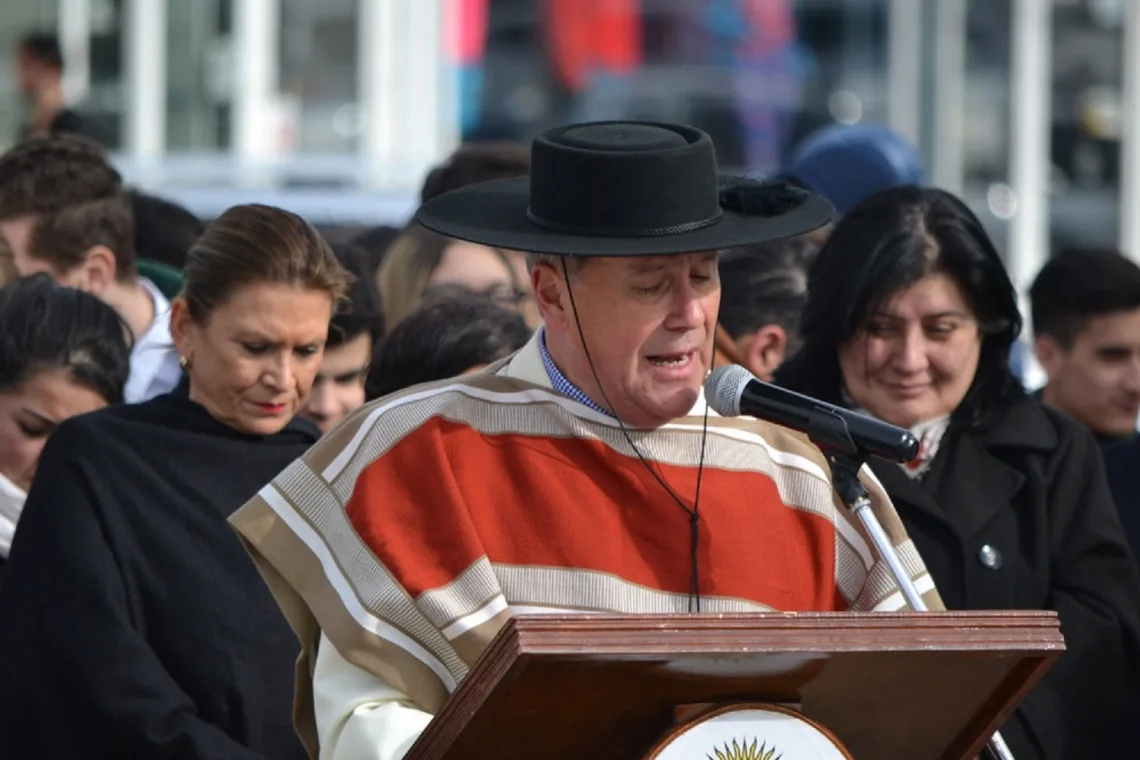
(471,79)
(846,164)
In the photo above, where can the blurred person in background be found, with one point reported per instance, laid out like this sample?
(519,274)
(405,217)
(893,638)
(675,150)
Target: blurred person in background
(1086,324)
(910,318)
(478,162)
(756,42)
(763,292)
(39,75)
(8,271)
(63,352)
(459,333)
(353,333)
(132,621)
(421,260)
(847,164)
(64,211)
(374,242)
(164,230)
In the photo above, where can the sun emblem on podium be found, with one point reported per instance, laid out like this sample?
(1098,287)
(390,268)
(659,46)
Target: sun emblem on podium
(745,751)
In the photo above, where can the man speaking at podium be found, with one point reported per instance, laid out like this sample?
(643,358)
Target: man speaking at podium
(584,474)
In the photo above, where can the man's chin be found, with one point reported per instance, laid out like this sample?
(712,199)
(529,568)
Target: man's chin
(672,405)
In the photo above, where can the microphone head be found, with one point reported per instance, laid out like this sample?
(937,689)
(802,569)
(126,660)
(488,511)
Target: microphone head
(723,388)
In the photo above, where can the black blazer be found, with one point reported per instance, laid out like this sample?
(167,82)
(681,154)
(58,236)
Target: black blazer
(1021,518)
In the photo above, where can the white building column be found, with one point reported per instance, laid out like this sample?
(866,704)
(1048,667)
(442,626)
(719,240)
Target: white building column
(904,68)
(144,42)
(380,86)
(1030,123)
(949,107)
(74,30)
(1130,137)
(434,129)
(257,25)
(408,93)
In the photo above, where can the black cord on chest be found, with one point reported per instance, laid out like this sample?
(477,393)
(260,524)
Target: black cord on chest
(694,511)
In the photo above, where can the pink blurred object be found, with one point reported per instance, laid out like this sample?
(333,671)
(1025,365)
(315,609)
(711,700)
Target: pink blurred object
(465,30)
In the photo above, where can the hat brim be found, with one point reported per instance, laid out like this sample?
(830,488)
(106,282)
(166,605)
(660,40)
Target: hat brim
(495,214)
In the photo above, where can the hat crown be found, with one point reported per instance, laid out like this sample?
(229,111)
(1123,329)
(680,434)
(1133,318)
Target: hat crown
(619,136)
(624,179)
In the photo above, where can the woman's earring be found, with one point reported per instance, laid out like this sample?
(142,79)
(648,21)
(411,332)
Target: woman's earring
(183,362)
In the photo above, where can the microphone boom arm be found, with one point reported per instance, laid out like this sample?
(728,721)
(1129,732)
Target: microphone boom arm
(845,467)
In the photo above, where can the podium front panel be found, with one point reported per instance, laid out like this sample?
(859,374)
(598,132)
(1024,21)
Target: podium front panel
(914,685)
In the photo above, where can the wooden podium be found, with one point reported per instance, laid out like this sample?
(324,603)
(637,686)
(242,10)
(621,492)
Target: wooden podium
(921,686)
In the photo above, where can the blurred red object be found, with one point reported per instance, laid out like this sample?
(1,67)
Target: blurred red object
(589,36)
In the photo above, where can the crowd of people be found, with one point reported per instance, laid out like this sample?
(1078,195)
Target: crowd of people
(226,446)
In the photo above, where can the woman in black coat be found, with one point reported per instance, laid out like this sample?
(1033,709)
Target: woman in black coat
(910,319)
(133,623)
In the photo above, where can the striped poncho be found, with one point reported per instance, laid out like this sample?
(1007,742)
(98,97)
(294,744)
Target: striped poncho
(409,535)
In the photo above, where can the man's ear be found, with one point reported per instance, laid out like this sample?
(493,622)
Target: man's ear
(1050,354)
(765,350)
(549,286)
(97,271)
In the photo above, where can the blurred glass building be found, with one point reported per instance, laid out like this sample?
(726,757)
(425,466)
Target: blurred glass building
(336,108)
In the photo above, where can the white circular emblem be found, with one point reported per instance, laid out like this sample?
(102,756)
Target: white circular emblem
(750,732)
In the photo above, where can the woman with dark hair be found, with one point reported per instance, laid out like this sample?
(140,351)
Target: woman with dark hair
(63,352)
(454,333)
(910,318)
(132,621)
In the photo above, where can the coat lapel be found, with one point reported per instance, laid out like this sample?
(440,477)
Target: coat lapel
(976,473)
(976,482)
(909,496)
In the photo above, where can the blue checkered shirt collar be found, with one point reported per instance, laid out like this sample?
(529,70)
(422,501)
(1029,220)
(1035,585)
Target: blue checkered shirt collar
(559,381)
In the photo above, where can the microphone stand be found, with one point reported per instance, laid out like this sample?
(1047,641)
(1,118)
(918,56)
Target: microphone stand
(845,474)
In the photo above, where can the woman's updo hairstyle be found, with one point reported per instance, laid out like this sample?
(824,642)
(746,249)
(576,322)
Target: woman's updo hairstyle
(254,244)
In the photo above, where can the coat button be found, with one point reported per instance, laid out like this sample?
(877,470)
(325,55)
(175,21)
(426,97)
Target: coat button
(990,557)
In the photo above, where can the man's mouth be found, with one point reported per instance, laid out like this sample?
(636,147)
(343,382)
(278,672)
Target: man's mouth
(672,360)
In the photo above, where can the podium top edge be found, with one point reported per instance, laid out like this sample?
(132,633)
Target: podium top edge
(978,631)
(767,620)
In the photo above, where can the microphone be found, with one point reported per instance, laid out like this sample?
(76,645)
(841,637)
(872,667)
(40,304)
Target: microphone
(732,391)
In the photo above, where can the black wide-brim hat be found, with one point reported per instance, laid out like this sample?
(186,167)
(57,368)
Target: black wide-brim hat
(624,189)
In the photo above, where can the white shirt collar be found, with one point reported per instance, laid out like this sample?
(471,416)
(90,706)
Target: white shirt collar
(154,359)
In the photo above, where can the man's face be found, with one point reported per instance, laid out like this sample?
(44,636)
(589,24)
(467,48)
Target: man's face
(648,324)
(339,387)
(1097,380)
(17,233)
(29,73)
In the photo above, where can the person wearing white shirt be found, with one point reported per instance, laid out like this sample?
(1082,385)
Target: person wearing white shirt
(154,359)
(64,212)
